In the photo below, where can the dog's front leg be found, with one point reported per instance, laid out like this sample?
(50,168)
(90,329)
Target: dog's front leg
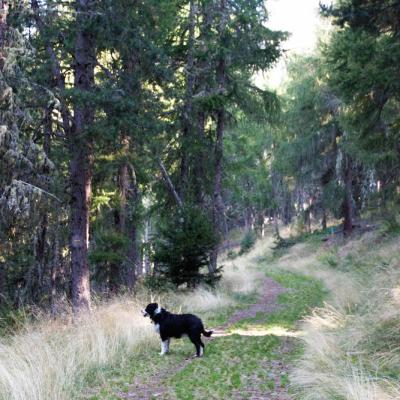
(164,347)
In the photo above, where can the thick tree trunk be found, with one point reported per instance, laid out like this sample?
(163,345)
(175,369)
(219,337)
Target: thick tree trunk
(81,160)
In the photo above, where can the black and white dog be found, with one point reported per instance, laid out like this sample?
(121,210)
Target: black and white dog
(170,325)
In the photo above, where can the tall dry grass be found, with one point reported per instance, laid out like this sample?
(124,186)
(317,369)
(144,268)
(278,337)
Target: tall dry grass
(352,344)
(50,360)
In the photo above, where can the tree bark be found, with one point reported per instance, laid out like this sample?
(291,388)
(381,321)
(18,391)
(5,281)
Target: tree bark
(81,156)
(219,147)
(217,198)
(324,219)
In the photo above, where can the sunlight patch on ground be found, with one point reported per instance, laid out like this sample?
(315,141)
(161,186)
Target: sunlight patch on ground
(259,331)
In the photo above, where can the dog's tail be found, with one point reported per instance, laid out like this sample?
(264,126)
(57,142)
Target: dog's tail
(207,333)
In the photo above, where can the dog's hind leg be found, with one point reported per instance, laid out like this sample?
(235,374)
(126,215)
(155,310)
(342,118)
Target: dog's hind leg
(201,348)
(195,339)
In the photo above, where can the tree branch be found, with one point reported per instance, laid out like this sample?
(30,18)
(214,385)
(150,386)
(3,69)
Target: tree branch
(169,183)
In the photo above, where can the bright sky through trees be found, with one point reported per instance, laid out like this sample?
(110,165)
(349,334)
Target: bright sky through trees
(301,19)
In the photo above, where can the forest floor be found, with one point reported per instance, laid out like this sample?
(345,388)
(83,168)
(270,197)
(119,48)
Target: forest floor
(248,356)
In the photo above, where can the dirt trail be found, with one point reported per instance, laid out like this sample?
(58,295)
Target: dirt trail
(155,388)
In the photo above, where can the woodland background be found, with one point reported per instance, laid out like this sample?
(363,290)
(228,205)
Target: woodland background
(134,141)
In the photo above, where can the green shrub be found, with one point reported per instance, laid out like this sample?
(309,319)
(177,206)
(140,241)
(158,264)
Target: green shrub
(158,283)
(107,256)
(329,258)
(231,255)
(183,248)
(248,242)
(390,224)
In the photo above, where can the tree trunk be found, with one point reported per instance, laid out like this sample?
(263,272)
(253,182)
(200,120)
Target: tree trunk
(221,115)
(187,130)
(203,70)
(323,222)
(348,198)
(134,269)
(55,267)
(81,160)
(121,213)
(276,223)
(275,183)
(146,247)
(123,183)
(42,270)
(199,159)
(217,198)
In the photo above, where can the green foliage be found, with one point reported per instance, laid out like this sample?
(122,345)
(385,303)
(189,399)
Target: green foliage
(329,258)
(183,248)
(108,253)
(282,243)
(158,283)
(232,254)
(13,321)
(248,242)
(390,224)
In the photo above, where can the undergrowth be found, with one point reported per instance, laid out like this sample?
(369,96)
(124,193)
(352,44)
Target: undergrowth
(60,359)
(351,344)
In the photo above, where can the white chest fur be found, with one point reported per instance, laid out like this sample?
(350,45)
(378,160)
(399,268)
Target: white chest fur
(157,328)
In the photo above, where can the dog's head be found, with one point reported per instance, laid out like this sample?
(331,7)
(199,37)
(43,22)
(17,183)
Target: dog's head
(151,310)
